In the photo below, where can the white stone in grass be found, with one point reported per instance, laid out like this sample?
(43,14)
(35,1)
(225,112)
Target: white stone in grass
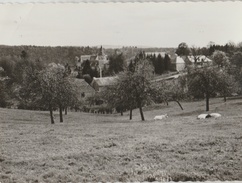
(203,116)
(160,117)
(215,115)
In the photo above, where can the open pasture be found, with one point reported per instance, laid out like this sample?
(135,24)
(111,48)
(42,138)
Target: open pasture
(98,147)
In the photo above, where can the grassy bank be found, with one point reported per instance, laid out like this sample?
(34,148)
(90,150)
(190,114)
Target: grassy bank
(92,147)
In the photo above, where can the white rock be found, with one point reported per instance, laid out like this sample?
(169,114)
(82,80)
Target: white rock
(160,117)
(215,115)
(203,116)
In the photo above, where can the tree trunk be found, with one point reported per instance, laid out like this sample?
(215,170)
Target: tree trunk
(65,110)
(141,113)
(179,104)
(207,102)
(51,114)
(121,112)
(130,114)
(60,111)
(166,102)
(225,99)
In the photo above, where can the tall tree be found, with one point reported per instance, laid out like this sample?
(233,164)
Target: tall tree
(160,65)
(87,68)
(220,58)
(183,49)
(166,91)
(167,62)
(116,63)
(195,54)
(28,94)
(49,79)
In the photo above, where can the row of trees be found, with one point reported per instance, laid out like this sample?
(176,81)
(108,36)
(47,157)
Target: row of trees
(49,88)
(36,85)
(210,81)
(136,88)
(229,48)
(222,76)
(56,89)
(161,64)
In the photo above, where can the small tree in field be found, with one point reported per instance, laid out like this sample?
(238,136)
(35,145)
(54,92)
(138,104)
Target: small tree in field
(116,97)
(133,89)
(227,84)
(67,95)
(48,79)
(56,90)
(176,91)
(207,81)
(172,90)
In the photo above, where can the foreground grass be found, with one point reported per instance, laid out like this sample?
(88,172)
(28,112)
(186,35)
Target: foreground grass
(88,147)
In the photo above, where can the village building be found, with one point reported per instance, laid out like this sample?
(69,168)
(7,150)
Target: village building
(199,59)
(182,61)
(84,88)
(100,84)
(97,61)
(180,64)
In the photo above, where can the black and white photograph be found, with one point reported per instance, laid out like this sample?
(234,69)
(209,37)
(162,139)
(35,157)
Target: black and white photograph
(120,91)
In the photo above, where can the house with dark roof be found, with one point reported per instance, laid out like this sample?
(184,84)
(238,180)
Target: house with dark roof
(99,84)
(85,89)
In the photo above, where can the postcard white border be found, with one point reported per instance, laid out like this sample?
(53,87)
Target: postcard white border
(105,1)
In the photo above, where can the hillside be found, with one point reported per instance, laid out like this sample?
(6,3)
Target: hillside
(91,147)
(48,54)
(67,54)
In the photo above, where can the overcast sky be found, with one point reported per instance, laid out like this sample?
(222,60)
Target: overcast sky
(126,24)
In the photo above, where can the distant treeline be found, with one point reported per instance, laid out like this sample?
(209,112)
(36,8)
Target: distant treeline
(67,54)
(48,54)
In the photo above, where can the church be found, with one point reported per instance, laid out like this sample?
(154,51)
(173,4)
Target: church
(97,61)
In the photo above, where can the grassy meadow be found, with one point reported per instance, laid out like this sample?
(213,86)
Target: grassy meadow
(99,147)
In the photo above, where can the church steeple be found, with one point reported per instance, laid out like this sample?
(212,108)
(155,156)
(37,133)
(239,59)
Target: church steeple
(101,52)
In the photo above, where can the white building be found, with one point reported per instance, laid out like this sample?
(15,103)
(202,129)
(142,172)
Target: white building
(180,63)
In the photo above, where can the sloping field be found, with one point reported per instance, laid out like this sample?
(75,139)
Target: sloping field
(91,147)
